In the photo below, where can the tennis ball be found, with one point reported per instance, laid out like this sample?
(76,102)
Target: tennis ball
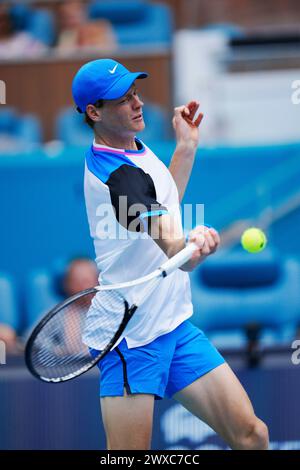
(253,240)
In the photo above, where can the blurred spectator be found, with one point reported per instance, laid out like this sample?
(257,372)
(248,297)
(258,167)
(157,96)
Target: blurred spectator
(80,274)
(16,43)
(77,31)
(9,337)
(48,289)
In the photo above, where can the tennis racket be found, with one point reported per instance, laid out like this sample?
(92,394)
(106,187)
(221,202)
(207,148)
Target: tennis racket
(57,349)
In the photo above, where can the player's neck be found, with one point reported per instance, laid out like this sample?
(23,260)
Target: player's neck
(119,142)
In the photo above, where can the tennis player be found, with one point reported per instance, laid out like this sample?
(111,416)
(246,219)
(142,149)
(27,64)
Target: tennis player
(133,203)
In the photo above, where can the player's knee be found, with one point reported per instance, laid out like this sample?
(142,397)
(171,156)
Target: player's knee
(255,437)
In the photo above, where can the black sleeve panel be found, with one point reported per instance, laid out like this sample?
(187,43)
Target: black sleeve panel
(132,193)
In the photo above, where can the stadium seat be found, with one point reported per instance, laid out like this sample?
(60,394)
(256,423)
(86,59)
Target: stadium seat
(71,129)
(136,22)
(233,290)
(24,129)
(8,304)
(38,22)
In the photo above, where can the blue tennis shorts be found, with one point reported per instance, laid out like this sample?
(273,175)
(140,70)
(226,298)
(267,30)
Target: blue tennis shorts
(163,367)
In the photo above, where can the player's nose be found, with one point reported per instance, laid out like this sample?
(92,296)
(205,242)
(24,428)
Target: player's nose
(138,103)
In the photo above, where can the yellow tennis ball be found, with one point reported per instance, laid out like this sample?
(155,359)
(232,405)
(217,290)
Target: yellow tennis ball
(253,240)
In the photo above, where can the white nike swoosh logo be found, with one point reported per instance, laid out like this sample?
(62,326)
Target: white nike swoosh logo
(114,69)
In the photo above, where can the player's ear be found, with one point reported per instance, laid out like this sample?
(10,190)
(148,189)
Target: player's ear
(95,114)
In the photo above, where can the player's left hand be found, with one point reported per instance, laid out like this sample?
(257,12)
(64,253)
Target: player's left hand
(186,126)
(206,248)
(212,241)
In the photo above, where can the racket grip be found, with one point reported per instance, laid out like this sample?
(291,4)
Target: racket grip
(178,260)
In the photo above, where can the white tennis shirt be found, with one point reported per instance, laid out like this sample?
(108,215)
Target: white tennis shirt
(123,253)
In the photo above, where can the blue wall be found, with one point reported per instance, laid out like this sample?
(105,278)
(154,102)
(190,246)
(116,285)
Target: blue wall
(43,212)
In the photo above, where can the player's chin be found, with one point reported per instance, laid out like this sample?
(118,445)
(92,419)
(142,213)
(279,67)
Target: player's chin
(139,124)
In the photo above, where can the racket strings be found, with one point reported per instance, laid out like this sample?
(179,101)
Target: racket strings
(61,348)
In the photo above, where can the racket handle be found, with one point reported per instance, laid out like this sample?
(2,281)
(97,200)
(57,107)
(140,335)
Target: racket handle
(178,260)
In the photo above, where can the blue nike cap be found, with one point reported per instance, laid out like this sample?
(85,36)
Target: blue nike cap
(102,79)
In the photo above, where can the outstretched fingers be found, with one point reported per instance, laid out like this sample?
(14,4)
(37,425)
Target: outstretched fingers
(198,120)
(193,107)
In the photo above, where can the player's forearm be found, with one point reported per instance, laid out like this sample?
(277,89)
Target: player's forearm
(181,166)
(171,241)
(170,246)
(167,233)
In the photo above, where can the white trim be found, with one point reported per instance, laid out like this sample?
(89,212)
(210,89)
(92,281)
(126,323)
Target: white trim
(103,147)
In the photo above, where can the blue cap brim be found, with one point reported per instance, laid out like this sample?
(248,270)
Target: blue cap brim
(122,85)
